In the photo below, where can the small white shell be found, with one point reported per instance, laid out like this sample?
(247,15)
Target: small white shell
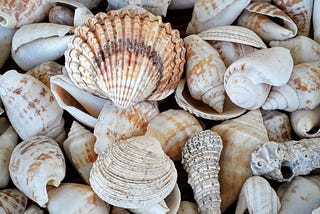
(12,201)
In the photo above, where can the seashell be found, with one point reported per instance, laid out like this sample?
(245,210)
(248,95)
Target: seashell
(277,125)
(12,201)
(79,198)
(35,163)
(115,124)
(30,106)
(302,49)
(119,210)
(32,43)
(62,15)
(83,106)
(6,35)
(78,3)
(15,13)
(301,195)
(259,16)
(240,137)
(79,148)
(187,207)
(208,14)
(248,80)
(283,161)
(181,4)
(306,123)
(200,158)
(316,211)
(299,11)
(8,140)
(154,57)
(34,209)
(143,175)
(200,109)
(316,21)
(173,128)
(45,71)
(257,196)
(81,15)
(302,91)
(204,71)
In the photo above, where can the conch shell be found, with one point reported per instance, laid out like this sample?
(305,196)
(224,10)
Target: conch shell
(6,35)
(248,80)
(36,163)
(142,58)
(283,161)
(316,21)
(12,201)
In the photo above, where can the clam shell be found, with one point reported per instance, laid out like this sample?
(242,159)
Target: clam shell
(316,21)
(133,65)
(35,163)
(6,35)
(143,175)
(12,201)
(187,207)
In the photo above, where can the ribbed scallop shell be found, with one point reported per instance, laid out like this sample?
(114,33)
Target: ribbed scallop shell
(126,56)
(133,173)
(12,201)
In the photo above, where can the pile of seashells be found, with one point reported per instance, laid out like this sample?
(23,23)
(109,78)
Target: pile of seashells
(127,106)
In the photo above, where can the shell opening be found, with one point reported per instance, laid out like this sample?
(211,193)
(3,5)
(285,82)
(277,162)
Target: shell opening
(3,21)
(286,170)
(314,130)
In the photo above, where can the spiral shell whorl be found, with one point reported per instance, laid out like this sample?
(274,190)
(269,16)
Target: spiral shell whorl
(215,98)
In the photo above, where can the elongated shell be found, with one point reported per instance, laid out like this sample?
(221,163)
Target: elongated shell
(34,164)
(248,80)
(316,21)
(12,201)
(173,128)
(142,58)
(6,35)
(142,176)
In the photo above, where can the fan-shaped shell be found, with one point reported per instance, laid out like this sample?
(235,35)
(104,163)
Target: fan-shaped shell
(126,56)
(12,201)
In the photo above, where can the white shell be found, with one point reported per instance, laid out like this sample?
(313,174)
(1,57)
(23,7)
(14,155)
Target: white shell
(6,35)
(316,21)
(316,211)
(12,201)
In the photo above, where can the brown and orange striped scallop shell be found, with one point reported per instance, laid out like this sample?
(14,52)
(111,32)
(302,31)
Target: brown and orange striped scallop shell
(126,56)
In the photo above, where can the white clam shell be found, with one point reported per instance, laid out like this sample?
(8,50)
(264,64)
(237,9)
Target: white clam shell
(6,35)
(36,163)
(12,201)
(316,21)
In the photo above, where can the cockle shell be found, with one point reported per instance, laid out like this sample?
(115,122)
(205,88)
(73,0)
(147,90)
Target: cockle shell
(75,198)
(248,80)
(115,124)
(204,71)
(187,207)
(12,201)
(258,197)
(200,158)
(213,13)
(32,43)
(258,17)
(302,49)
(30,106)
(142,58)
(173,128)
(35,163)
(301,195)
(142,176)
(283,161)
(240,137)
(79,148)
(302,91)
(8,140)
(6,35)
(306,123)
(316,21)
(300,11)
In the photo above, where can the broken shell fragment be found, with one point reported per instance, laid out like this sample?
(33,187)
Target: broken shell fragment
(12,201)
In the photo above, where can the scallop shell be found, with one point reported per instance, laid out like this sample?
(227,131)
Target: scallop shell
(173,128)
(115,124)
(78,198)
(6,35)
(204,71)
(143,175)
(108,72)
(35,163)
(240,137)
(12,201)
(187,207)
(316,21)
(302,91)
(248,80)
(283,161)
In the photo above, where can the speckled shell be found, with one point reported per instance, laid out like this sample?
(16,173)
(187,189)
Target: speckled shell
(79,148)
(248,80)
(12,201)
(133,65)
(187,207)
(173,128)
(204,72)
(6,35)
(316,21)
(283,161)
(30,106)
(200,158)
(240,137)
(302,91)
(142,176)
(75,198)
(34,164)
(115,124)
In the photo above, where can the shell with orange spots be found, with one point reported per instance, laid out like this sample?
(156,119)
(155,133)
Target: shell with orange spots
(36,163)
(12,201)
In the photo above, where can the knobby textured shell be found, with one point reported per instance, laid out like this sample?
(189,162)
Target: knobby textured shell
(12,201)
(126,56)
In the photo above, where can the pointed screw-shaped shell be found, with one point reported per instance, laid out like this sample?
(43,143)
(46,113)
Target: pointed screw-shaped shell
(12,201)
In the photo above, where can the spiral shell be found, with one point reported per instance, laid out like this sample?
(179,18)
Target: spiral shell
(12,201)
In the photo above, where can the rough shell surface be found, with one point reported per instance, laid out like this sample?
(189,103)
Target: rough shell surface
(12,201)
(120,55)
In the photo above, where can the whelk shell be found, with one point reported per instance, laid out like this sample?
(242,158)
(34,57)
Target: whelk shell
(12,201)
